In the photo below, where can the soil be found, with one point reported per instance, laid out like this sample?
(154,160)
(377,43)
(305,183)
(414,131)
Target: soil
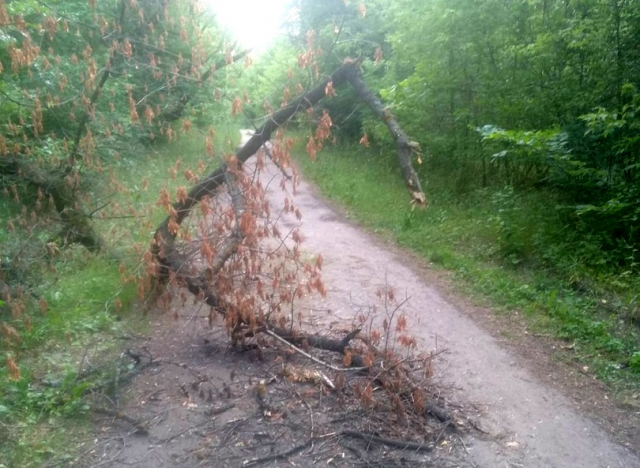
(199,402)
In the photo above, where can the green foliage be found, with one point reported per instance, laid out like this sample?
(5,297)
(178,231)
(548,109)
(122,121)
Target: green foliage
(84,296)
(273,74)
(533,105)
(615,171)
(87,306)
(634,362)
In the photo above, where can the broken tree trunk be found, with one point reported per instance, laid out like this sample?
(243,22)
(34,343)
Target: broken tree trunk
(171,262)
(405,146)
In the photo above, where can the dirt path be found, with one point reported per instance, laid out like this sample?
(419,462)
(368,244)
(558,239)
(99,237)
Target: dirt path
(201,386)
(535,426)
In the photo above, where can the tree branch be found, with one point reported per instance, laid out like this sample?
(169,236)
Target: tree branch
(85,118)
(405,146)
(163,247)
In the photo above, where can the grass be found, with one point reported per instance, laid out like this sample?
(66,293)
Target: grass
(44,415)
(77,332)
(484,237)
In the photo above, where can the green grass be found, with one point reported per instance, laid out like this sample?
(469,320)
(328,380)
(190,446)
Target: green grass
(43,415)
(491,240)
(88,310)
(79,330)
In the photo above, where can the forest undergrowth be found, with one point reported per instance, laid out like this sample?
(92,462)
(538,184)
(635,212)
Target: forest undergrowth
(82,313)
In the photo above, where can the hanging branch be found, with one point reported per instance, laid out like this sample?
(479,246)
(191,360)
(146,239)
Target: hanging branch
(406,147)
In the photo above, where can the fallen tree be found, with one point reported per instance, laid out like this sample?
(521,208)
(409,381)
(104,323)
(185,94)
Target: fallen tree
(406,147)
(163,247)
(239,264)
(172,264)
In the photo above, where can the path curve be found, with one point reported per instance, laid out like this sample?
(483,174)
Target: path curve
(532,425)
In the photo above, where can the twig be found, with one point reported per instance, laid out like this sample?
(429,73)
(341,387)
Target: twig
(314,359)
(220,410)
(277,456)
(112,459)
(90,215)
(267,151)
(310,414)
(440,413)
(84,356)
(402,444)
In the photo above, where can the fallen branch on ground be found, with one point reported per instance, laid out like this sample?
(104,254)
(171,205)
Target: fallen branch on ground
(278,456)
(401,444)
(314,359)
(141,426)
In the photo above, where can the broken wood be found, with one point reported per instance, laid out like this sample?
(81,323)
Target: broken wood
(278,456)
(314,359)
(141,426)
(438,412)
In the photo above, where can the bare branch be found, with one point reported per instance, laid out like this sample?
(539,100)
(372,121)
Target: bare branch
(314,359)
(405,146)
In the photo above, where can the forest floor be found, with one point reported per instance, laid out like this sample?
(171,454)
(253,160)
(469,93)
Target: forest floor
(195,402)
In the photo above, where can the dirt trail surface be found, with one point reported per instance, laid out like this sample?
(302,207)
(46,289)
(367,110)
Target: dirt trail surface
(198,401)
(535,426)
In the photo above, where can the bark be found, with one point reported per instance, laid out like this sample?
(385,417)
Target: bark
(315,341)
(302,340)
(405,146)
